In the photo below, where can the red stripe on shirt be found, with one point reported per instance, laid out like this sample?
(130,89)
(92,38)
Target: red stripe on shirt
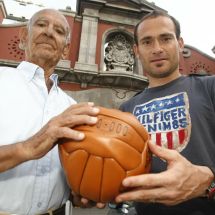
(169,140)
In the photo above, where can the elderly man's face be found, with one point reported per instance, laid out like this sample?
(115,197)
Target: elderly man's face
(46,37)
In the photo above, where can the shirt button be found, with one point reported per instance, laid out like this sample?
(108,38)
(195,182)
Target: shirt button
(39,204)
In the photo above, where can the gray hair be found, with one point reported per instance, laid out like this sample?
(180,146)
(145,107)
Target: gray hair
(68,29)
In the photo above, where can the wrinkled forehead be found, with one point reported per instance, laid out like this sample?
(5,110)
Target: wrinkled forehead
(50,15)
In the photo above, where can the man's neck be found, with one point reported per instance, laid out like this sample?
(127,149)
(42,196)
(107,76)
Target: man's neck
(48,71)
(49,84)
(156,82)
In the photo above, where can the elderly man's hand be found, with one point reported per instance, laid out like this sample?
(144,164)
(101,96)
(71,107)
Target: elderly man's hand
(180,182)
(59,127)
(78,201)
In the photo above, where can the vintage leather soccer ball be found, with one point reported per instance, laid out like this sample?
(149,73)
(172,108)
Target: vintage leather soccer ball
(113,149)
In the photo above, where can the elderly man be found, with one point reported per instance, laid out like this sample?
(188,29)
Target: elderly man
(34,113)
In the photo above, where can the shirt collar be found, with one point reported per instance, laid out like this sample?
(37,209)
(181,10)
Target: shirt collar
(31,70)
(54,78)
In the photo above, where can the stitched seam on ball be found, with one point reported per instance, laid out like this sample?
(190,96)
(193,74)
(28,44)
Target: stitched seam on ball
(83,172)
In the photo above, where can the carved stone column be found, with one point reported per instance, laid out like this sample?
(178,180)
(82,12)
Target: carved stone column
(87,51)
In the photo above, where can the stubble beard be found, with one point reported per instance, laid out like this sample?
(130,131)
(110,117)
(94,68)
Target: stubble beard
(163,74)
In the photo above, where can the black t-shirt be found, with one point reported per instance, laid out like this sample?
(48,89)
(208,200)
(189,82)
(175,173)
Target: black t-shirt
(179,115)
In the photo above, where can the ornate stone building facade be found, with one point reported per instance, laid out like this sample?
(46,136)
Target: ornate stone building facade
(101,66)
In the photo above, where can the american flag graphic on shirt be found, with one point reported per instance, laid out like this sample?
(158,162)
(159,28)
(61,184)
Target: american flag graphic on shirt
(167,120)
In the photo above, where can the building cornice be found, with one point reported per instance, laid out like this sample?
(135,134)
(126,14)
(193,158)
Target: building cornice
(86,79)
(198,50)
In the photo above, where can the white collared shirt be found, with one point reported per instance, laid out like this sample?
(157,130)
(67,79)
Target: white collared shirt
(25,107)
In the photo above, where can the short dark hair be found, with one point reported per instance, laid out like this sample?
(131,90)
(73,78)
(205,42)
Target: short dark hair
(154,14)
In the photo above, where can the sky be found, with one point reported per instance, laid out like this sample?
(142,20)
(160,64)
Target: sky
(196,17)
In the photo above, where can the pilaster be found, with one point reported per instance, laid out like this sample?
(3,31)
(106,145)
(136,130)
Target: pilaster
(87,51)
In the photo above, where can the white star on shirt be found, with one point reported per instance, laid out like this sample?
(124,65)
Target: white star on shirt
(144,109)
(153,107)
(177,100)
(137,111)
(161,104)
(169,102)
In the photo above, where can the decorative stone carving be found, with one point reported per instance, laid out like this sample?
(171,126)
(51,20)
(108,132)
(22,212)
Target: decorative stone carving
(200,68)
(119,54)
(186,52)
(14,48)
